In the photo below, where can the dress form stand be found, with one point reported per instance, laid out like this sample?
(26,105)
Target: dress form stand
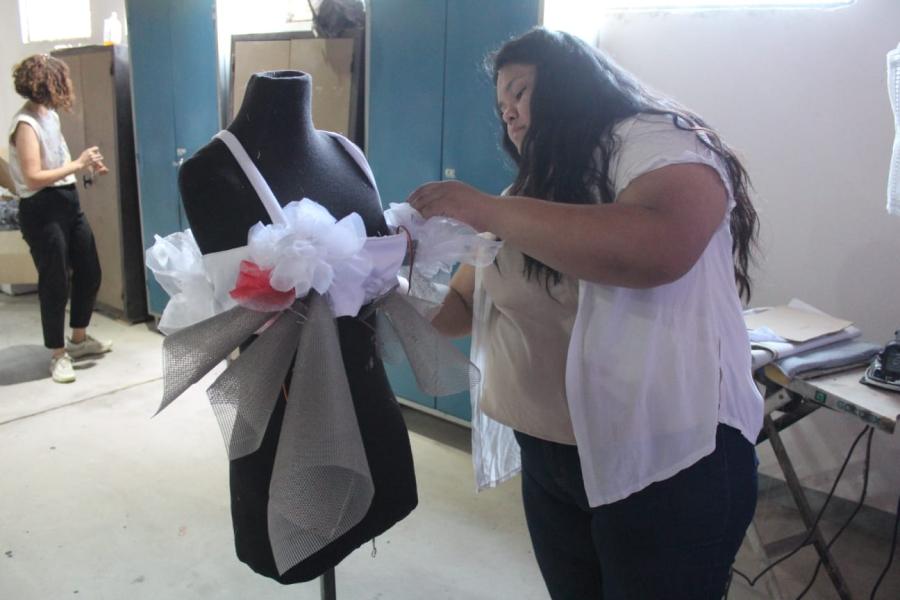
(274,125)
(328,585)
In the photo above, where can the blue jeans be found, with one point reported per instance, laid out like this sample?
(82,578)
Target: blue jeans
(675,539)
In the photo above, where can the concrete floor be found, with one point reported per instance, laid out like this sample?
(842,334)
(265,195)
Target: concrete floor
(99,501)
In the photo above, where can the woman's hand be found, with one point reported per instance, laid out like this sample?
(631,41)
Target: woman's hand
(456,200)
(91,157)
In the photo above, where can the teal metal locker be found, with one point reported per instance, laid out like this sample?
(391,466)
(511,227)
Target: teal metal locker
(174,69)
(431,110)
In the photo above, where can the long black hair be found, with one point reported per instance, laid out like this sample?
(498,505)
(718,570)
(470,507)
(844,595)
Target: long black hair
(579,96)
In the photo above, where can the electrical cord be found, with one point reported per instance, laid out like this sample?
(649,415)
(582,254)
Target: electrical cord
(812,529)
(859,504)
(890,555)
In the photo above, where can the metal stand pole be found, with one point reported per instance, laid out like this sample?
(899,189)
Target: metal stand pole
(328,585)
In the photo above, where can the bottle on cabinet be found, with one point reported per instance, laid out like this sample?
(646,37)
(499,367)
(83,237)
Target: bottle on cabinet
(112,30)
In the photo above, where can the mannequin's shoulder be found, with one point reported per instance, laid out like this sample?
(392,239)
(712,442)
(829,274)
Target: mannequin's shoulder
(209,172)
(205,165)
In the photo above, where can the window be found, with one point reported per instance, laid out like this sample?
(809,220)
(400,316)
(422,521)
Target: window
(50,20)
(625,5)
(261,16)
(299,11)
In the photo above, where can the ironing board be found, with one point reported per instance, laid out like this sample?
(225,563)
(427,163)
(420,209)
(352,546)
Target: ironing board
(797,397)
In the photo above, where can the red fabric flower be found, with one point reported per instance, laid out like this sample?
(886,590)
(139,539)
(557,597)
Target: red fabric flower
(252,290)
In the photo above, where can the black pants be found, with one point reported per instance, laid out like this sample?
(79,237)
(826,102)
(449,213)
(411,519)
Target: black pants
(674,540)
(61,240)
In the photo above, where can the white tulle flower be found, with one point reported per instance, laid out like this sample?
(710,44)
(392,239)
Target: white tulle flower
(313,251)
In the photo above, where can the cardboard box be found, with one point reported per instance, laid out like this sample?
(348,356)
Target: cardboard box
(16,265)
(5,178)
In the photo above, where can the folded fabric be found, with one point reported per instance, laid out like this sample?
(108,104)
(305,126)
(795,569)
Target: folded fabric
(841,354)
(784,349)
(760,357)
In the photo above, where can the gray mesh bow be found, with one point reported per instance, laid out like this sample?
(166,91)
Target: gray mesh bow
(321,485)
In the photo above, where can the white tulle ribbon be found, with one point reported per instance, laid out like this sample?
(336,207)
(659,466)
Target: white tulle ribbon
(440,244)
(178,267)
(312,251)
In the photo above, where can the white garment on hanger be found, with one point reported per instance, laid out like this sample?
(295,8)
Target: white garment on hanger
(893,80)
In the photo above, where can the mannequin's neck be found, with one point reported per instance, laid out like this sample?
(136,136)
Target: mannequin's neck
(276,114)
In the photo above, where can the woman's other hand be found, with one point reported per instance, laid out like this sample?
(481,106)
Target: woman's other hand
(456,200)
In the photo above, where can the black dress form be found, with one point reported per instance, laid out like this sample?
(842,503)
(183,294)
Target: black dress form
(275,127)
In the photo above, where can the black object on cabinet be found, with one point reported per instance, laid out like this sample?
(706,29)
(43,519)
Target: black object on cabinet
(102,117)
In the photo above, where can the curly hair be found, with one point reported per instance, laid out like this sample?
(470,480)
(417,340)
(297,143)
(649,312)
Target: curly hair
(44,80)
(579,96)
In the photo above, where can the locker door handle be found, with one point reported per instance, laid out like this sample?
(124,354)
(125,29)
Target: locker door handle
(179,152)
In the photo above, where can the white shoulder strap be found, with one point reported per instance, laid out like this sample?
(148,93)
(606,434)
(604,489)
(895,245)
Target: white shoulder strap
(270,202)
(357,155)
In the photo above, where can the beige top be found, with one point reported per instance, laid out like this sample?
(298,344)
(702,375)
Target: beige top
(527,342)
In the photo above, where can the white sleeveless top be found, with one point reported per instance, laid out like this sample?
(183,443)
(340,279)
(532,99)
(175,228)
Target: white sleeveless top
(54,151)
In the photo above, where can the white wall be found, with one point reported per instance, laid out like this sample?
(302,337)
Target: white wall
(802,96)
(12,50)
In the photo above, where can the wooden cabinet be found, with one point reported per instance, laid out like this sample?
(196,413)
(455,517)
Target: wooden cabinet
(102,117)
(335,65)
(431,110)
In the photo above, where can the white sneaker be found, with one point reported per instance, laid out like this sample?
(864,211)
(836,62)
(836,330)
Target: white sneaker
(61,369)
(87,347)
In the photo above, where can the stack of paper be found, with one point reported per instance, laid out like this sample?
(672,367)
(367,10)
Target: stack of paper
(801,339)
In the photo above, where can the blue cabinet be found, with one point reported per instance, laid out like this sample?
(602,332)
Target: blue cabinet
(174,93)
(431,110)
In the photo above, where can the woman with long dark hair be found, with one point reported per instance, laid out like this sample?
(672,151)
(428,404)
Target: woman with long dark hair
(614,344)
(50,217)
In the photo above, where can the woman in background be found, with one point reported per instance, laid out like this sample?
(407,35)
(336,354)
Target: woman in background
(50,216)
(616,346)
